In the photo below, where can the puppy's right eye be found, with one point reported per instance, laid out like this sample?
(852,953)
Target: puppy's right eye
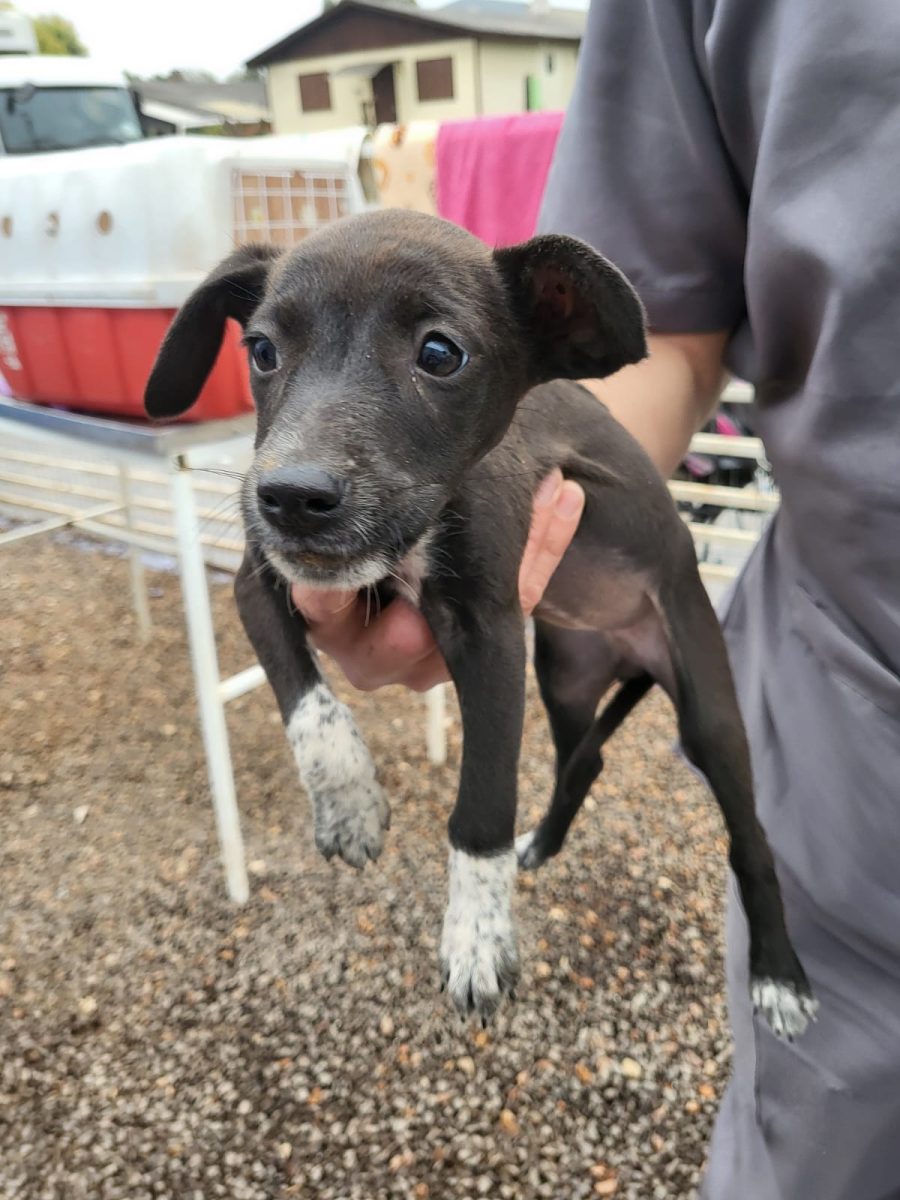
(264,355)
(441,357)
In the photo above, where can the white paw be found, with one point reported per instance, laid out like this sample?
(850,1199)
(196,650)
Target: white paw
(786,1010)
(349,807)
(351,822)
(479,956)
(529,856)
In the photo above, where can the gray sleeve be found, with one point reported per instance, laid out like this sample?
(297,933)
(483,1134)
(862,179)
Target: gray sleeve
(641,171)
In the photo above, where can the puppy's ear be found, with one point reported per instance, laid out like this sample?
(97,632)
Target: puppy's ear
(189,349)
(581,315)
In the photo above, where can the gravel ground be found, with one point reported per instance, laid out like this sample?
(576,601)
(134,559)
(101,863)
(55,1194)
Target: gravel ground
(157,1042)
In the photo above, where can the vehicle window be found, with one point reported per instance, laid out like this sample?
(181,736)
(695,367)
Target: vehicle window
(65,118)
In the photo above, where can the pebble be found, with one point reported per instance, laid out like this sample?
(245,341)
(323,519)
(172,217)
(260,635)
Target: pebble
(508,1122)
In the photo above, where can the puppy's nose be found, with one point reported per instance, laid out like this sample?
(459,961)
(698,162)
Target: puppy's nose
(301,497)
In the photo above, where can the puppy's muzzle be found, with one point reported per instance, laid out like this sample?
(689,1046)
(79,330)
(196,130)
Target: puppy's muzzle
(301,501)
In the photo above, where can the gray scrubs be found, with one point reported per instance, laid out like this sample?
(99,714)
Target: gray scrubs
(740,160)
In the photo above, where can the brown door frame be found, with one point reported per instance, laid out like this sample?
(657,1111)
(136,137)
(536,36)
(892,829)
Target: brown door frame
(384,96)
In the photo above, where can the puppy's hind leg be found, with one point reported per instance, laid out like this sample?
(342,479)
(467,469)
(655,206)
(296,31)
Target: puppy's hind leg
(574,670)
(713,738)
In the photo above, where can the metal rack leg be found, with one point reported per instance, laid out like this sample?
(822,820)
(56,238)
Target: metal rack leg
(436,726)
(138,581)
(206,678)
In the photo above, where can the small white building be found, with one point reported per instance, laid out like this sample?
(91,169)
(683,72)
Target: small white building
(380,61)
(17,35)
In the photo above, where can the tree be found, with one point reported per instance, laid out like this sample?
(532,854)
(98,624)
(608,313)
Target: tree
(185,75)
(56,35)
(244,75)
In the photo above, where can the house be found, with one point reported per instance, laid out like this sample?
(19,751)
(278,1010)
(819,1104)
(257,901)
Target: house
(376,61)
(185,106)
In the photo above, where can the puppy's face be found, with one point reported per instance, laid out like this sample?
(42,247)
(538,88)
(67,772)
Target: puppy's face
(387,354)
(383,366)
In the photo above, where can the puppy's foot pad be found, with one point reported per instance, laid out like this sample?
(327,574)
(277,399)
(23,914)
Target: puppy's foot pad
(479,955)
(478,971)
(529,852)
(351,822)
(350,810)
(787,1010)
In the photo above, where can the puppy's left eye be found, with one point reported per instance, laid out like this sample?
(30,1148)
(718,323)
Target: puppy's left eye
(441,357)
(264,355)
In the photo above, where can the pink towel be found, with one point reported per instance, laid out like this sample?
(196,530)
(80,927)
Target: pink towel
(491,173)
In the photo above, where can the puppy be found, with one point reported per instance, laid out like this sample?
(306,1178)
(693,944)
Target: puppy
(412,389)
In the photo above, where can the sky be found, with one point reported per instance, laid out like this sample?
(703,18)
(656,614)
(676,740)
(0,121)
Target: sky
(215,35)
(150,39)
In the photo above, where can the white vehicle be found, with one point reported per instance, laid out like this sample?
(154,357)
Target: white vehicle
(53,102)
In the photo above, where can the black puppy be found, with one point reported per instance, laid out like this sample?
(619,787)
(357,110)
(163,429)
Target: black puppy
(407,384)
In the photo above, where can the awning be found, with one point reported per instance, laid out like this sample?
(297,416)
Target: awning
(181,118)
(232,113)
(365,70)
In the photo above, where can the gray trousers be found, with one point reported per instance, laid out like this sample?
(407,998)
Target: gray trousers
(818,1119)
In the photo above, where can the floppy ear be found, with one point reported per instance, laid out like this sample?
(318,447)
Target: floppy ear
(581,315)
(189,349)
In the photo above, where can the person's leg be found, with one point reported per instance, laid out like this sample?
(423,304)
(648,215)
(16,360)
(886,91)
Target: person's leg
(817,1119)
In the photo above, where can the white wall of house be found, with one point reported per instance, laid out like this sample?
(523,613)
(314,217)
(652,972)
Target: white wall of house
(556,85)
(347,96)
(410,107)
(488,77)
(505,66)
(349,92)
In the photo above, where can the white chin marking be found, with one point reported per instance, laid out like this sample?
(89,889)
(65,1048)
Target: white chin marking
(349,807)
(364,573)
(412,570)
(479,957)
(787,1011)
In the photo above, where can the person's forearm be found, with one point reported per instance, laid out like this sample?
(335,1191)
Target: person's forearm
(666,398)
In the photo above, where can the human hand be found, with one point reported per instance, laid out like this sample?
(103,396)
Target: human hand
(396,645)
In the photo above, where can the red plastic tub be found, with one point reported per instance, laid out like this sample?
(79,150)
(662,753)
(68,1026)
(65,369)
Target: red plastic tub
(98,359)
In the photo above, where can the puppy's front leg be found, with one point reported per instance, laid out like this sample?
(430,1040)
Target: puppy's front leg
(349,807)
(486,657)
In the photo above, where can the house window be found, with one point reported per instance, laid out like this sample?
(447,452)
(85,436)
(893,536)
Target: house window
(315,93)
(434,78)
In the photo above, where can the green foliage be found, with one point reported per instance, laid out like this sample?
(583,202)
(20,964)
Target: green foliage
(56,35)
(244,75)
(185,75)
